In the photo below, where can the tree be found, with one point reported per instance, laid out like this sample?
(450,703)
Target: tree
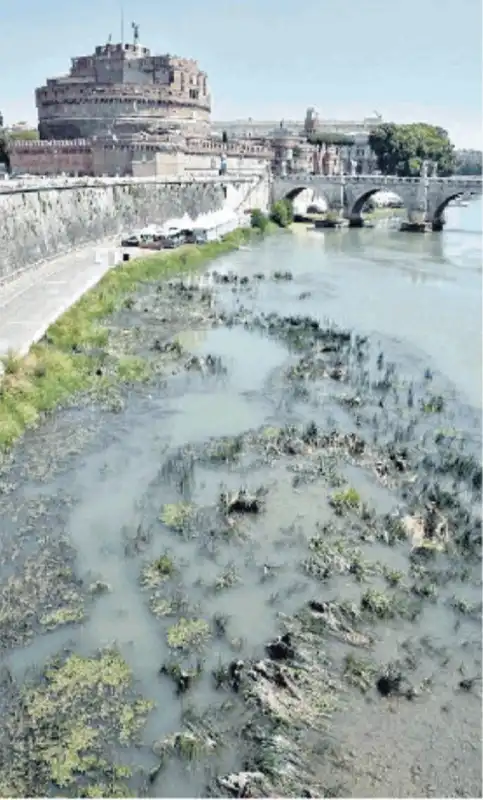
(24,135)
(4,145)
(402,149)
(282,213)
(259,220)
(330,138)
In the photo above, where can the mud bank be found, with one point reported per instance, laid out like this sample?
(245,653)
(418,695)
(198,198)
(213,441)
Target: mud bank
(249,565)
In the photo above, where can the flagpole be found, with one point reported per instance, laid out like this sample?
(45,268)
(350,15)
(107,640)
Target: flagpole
(122,23)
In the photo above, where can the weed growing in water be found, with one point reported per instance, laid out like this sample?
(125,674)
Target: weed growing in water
(68,725)
(434,405)
(188,634)
(157,571)
(345,500)
(228,578)
(359,672)
(183,678)
(386,606)
(177,515)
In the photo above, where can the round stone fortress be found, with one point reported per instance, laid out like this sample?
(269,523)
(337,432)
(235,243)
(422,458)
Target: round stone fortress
(123,89)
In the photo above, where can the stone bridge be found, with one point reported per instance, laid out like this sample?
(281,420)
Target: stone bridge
(425,199)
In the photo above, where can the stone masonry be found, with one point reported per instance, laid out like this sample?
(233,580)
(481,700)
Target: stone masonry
(424,198)
(38,223)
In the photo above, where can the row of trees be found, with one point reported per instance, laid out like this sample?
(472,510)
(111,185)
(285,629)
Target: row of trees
(329,138)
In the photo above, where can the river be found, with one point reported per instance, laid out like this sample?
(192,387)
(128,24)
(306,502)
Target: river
(133,491)
(424,291)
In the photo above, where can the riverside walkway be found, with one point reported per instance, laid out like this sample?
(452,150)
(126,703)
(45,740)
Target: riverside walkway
(32,302)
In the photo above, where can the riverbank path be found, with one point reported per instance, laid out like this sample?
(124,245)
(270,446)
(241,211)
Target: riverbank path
(36,299)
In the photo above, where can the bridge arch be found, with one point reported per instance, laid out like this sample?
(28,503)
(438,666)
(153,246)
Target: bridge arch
(438,215)
(358,204)
(295,191)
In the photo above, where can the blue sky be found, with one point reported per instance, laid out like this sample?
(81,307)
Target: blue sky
(270,59)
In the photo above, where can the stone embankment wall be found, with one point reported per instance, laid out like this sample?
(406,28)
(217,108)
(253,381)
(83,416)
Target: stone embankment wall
(39,224)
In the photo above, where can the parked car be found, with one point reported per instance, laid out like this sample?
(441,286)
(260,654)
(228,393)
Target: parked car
(176,237)
(189,236)
(130,241)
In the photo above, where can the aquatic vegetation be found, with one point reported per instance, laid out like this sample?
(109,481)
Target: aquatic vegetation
(359,672)
(186,745)
(157,571)
(188,634)
(183,678)
(225,450)
(43,594)
(345,500)
(164,603)
(226,579)
(434,405)
(386,605)
(70,724)
(62,616)
(177,515)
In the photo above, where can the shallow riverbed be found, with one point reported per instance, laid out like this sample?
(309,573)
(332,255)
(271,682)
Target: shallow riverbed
(304,460)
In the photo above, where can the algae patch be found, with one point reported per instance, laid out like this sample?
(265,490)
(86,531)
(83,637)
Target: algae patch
(67,730)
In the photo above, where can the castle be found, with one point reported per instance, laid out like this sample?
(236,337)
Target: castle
(122,111)
(125,90)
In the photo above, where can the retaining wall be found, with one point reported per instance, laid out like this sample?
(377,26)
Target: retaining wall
(40,223)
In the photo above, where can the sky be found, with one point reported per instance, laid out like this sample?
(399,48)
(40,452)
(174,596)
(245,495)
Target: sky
(410,60)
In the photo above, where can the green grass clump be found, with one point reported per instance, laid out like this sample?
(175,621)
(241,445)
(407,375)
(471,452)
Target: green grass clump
(61,365)
(345,500)
(186,745)
(158,571)
(176,515)
(359,672)
(379,604)
(188,634)
(62,616)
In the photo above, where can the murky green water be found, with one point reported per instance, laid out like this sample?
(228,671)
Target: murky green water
(99,481)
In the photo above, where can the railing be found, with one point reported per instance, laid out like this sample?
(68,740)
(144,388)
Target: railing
(381,179)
